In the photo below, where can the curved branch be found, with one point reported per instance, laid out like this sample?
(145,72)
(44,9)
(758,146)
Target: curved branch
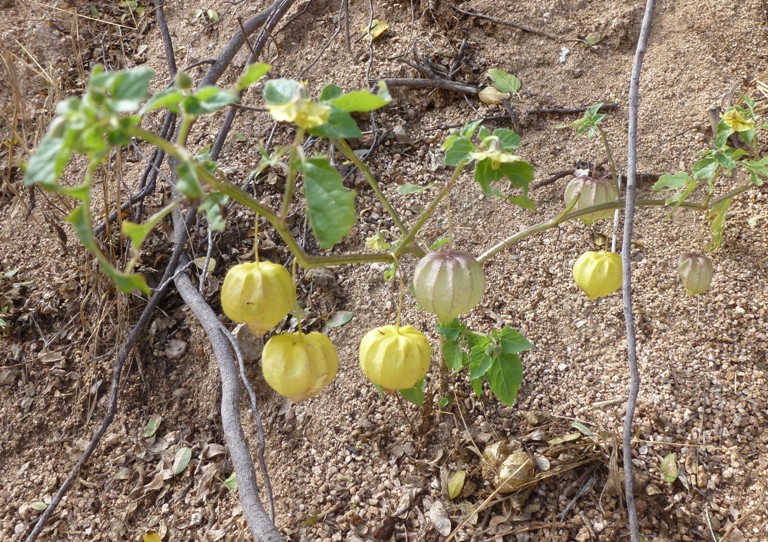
(257,518)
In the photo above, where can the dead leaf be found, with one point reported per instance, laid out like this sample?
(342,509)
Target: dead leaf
(406,500)
(439,518)
(175,349)
(562,439)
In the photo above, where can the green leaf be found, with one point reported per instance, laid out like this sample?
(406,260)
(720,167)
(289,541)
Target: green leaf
(457,150)
(727,158)
(330,92)
(38,505)
(705,168)
(48,162)
(505,377)
(231,482)
(170,98)
(214,205)
(129,88)
(444,402)
(138,232)
(451,330)
(188,183)
(338,319)
(723,133)
(440,241)
(680,184)
(359,101)
(330,206)
(479,360)
(469,128)
(670,181)
(503,81)
(415,394)
(668,468)
(125,282)
(253,73)
(456,483)
(523,201)
(380,391)
(519,173)
(340,125)
(756,170)
(586,125)
(513,342)
(455,358)
(716,217)
(477,385)
(208,100)
(280,91)
(153,424)
(508,138)
(181,460)
(410,188)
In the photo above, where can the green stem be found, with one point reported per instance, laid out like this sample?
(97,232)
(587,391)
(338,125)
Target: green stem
(408,239)
(618,204)
(224,186)
(290,184)
(347,151)
(186,125)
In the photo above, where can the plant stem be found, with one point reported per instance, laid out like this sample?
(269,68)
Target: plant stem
(347,151)
(224,186)
(186,125)
(290,184)
(408,239)
(565,217)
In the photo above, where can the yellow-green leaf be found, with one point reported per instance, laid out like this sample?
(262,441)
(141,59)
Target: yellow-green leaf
(456,483)
(376,29)
(668,468)
(180,462)
(152,536)
(153,424)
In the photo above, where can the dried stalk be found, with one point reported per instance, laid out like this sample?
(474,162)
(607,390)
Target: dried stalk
(629,213)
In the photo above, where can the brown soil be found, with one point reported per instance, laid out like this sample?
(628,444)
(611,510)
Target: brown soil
(349,465)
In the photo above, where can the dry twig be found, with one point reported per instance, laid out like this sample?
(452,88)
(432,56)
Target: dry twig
(629,213)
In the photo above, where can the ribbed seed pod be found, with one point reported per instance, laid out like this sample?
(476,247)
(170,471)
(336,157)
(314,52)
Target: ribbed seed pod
(591,191)
(695,272)
(298,366)
(395,357)
(448,283)
(259,294)
(598,273)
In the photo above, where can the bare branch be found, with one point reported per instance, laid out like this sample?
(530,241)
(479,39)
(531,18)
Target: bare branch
(629,213)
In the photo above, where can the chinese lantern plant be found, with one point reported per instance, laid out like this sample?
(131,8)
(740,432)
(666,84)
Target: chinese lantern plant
(598,274)
(298,365)
(395,357)
(448,283)
(695,272)
(259,294)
